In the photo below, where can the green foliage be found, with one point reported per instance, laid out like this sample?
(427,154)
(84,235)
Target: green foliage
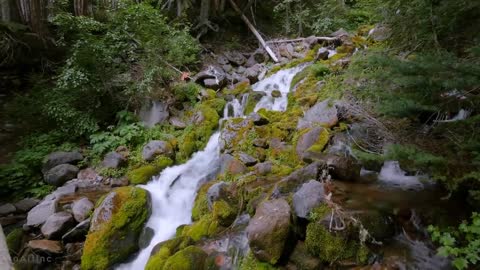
(463,243)
(187,91)
(413,158)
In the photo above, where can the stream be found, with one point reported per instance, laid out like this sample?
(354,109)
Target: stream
(409,197)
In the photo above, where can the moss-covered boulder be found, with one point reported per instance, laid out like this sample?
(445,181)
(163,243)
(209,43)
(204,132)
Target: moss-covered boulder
(311,142)
(269,230)
(189,258)
(224,212)
(145,173)
(116,225)
(207,226)
(15,240)
(163,250)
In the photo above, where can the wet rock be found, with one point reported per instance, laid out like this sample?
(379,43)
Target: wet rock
(322,54)
(236,58)
(313,140)
(300,176)
(252,73)
(343,167)
(6,209)
(81,209)
(78,233)
(57,158)
(247,159)
(380,226)
(216,192)
(215,75)
(323,113)
(276,93)
(303,260)
(157,148)
(260,55)
(263,168)
(309,196)
(60,174)
(26,204)
(39,214)
(46,246)
(57,224)
(177,123)
(269,229)
(113,160)
(286,50)
(145,237)
(11,219)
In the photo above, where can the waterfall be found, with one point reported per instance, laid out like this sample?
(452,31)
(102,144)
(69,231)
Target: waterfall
(173,192)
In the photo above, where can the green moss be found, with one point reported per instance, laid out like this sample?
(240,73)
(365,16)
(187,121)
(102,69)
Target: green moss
(210,94)
(205,227)
(14,241)
(143,174)
(200,206)
(117,238)
(241,88)
(217,104)
(189,258)
(112,172)
(251,103)
(250,263)
(224,212)
(158,259)
(321,142)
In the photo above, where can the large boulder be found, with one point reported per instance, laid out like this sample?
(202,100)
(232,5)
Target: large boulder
(58,175)
(164,250)
(116,226)
(309,196)
(113,160)
(57,224)
(81,209)
(343,167)
(312,141)
(323,113)
(231,165)
(269,229)
(57,158)
(156,148)
(300,176)
(39,214)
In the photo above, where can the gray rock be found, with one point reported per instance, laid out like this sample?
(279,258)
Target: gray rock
(216,192)
(259,142)
(177,123)
(57,158)
(300,176)
(247,159)
(286,50)
(343,167)
(222,60)
(263,168)
(113,160)
(229,164)
(323,113)
(211,72)
(81,208)
(156,148)
(78,233)
(260,55)
(241,70)
(258,119)
(251,61)
(154,112)
(268,230)
(103,212)
(60,174)
(236,58)
(6,209)
(252,73)
(227,68)
(57,224)
(145,237)
(39,214)
(26,204)
(309,196)
(322,54)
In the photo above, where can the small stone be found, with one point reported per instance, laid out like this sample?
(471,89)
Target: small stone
(263,168)
(113,160)
(309,196)
(247,159)
(259,142)
(236,58)
(6,209)
(26,204)
(276,93)
(177,123)
(322,54)
(156,148)
(46,246)
(81,208)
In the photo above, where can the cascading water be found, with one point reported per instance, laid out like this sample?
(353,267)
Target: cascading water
(173,191)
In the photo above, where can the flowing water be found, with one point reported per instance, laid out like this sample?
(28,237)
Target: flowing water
(173,191)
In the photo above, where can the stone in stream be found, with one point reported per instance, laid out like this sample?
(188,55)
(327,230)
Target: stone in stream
(269,230)
(57,224)
(276,93)
(309,196)
(322,54)
(113,160)
(57,158)
(81,208)
(39,214)
(252,73)
(156,148)
(60,174)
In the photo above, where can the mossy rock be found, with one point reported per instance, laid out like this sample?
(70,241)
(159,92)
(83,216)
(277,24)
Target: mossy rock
(162,251)
(250,263)
(145,173)
(189,258)
(207,226)
(116,227)
(200,206)
(15,241)
(224,212)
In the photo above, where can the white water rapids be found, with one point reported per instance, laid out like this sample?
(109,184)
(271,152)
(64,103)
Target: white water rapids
(173,191)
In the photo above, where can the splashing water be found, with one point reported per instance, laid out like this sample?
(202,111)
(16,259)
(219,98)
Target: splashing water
(392,174)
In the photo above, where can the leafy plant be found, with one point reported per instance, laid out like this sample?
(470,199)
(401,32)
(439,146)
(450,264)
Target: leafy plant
(463,243)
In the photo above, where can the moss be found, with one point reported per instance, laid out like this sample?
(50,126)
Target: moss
(217,104)
(241,88)
(162,162)
(321,142)
(251,103)
(210,94)
(250,263)
(143,174)
(200,206)
(112,172)
(14,241)
(309,57)
(205,227)
(117,238)
(159,257)
(224,213)
(189,258)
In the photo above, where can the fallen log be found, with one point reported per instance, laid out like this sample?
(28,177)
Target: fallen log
(255,32)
